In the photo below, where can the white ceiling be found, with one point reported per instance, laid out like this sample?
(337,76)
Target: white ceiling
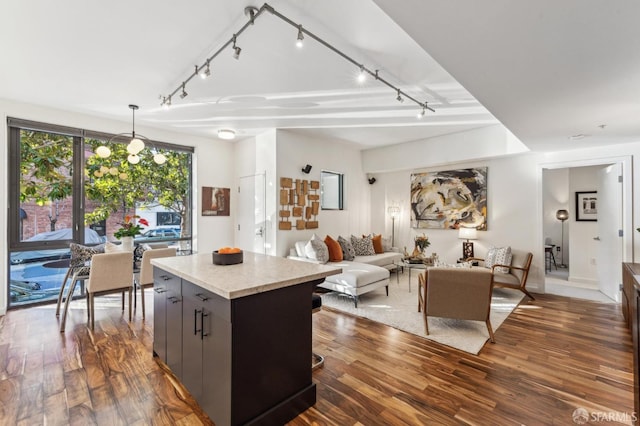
(546,69)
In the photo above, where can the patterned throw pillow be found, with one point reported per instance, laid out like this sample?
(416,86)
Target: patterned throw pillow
(335,251)
(363,246)
(348,252)
(80,254)
(498,256)
(316,249)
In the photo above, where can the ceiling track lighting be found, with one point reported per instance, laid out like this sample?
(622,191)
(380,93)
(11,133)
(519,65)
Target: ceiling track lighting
(136,141)
(205,71)
(300,40)
(253,13)
(184,93)
(236,49)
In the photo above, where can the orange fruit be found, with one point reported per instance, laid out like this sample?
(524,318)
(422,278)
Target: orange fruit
(224,250)
(235,250)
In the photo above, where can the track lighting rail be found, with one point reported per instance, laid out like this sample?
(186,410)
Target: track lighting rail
(253,13)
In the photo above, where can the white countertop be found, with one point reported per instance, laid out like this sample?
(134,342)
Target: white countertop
(258,273)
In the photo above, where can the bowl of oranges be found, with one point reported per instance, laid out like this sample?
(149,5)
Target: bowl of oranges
(227,256)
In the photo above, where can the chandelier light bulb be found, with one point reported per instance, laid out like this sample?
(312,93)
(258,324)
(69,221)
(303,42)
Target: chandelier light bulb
(103,152)
(98,173)
(133,159)
(113,171)
(123,176)
(159,158)
(135,146)
(104,169)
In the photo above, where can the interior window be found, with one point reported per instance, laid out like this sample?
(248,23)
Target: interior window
(331,190)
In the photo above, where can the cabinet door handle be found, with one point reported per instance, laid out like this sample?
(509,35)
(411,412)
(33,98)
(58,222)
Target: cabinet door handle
(165,277)
(202,297)
(173,299)
(195,321)
(159,290)
(202,333)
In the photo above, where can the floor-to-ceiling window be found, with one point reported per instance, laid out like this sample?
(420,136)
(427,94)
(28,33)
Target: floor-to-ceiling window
(62,191)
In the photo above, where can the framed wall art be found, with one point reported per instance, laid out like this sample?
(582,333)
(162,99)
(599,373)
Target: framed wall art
(215,201)
(449,199)
(587,206)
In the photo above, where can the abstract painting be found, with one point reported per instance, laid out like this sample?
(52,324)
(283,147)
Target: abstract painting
(449,199)
(215,201)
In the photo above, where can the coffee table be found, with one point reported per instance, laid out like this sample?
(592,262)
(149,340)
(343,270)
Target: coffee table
(411,266)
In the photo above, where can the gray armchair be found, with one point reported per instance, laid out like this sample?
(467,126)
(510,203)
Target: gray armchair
(460,293)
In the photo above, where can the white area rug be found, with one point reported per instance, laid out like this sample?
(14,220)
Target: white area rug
(400,310)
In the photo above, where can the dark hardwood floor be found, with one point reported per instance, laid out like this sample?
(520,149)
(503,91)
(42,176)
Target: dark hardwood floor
(551,356)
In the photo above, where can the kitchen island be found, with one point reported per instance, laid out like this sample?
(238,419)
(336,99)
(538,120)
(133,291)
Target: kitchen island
(238,336)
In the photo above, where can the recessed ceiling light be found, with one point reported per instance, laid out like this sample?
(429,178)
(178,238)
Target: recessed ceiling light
(226,134)
(578,137)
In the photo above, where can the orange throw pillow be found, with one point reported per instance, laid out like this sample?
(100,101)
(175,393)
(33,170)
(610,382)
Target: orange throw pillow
(335,251)
(377,244)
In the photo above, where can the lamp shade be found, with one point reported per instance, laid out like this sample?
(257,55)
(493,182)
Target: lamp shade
(467,233)
(562,215)
(393,211)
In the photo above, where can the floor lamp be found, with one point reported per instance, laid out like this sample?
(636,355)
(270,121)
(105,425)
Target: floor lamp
(394,211)
(562,215)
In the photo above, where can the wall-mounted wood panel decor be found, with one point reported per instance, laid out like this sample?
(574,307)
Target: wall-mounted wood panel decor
(299,200)
(449,199)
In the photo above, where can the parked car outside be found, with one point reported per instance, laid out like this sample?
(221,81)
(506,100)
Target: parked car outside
(91,237)
(159,234)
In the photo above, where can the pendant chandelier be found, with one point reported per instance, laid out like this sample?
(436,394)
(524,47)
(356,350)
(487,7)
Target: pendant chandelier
(135,146)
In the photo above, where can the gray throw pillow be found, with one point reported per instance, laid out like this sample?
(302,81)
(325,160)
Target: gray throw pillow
(363,246)
(316,249)
(348,252)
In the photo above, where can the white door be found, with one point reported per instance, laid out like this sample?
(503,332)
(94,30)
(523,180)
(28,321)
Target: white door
(251,233)
(609,236)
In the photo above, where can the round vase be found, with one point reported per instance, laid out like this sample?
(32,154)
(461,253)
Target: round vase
(127,243)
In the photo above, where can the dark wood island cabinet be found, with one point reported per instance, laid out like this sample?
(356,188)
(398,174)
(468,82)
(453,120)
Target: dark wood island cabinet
(239,336)
(630,304)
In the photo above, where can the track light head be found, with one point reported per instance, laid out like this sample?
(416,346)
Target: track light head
(166,102)
(372,180)
(184,93)
(306,169)
(362,76)
(421,113)
(300,40)
(399,97)
(205,71)
(236,49)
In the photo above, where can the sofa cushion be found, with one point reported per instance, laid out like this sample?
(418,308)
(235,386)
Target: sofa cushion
(498,256)
(316,249)
(386,244)
(300,248)
(382,259)
(348,252)
(376,240)
(356,274)
(363,246)
(335,251)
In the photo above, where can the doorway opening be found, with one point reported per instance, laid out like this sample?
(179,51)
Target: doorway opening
(585,228)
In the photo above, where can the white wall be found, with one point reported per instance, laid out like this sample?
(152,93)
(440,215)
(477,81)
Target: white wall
(515,195)
(213,166)
(294,150)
